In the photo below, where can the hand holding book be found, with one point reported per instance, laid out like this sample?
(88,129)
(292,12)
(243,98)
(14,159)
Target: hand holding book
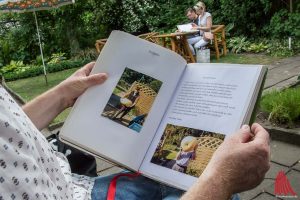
(239,164)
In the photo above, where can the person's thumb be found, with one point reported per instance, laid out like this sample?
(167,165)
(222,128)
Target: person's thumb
(95,79)
(244,134)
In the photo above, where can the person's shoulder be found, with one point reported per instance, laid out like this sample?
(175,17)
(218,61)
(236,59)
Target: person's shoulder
(207,14)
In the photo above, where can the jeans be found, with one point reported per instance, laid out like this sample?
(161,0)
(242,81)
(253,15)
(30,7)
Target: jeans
(136,188)
(197,42)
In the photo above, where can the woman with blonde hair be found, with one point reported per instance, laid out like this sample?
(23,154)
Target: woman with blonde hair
(204,25)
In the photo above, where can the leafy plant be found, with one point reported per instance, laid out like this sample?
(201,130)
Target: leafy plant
(87,54)
(34,70)
(14,66)
(284,24)
(57,57)
(280,49)
(283,107)
(238,44)
(257,48)
(38,60)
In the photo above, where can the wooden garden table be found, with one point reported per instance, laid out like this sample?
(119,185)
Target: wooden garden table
(178,43)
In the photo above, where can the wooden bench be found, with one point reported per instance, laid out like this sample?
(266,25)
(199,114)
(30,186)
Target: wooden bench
(219,41)
(100,44)
(146,36)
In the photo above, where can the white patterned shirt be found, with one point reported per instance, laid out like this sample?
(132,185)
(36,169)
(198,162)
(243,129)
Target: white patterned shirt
(29,167)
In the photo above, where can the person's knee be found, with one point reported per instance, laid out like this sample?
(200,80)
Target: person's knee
(201,43)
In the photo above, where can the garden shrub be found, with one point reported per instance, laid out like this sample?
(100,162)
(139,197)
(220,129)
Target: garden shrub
(284,24)
(33,70)
(238,44)
(279,48)
(13,66)
(283,107)
(273,47)
(257,47)
(56,58)
(87,54)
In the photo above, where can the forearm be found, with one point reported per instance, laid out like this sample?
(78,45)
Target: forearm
(208,188)
(44,108)
(204,28)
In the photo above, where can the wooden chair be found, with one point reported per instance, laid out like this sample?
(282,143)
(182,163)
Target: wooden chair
(219,41)
(178,43)
(100,44)
(149,36)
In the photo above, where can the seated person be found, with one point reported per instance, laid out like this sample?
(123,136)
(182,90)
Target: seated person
(30,169)
(204,25)
(194,19)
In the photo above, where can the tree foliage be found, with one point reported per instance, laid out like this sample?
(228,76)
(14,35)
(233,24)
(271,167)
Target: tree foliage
(73,28)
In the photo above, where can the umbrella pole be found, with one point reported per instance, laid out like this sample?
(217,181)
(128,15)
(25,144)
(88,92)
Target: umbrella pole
(41,49)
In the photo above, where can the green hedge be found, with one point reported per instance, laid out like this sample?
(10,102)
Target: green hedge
(38,70)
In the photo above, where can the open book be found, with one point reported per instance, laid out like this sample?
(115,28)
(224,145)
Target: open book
(186,28)
(158,115)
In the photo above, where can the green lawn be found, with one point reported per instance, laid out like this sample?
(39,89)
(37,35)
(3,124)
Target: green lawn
(31,87)
(245,59)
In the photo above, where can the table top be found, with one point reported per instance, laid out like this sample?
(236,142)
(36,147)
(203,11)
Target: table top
(176,34)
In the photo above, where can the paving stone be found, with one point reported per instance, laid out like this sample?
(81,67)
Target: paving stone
(284,153)
(102,164)
(112,170)
(297,166)
(250,194)
(265,196)
(278,74)
(269,180)
(274,169)
(294,179)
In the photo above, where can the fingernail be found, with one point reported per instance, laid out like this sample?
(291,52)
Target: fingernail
(245,126)
(103,76)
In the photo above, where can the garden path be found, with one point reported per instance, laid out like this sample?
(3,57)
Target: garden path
(283,73)
(285,150)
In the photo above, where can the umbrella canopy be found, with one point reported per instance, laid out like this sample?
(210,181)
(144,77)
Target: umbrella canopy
(32,6)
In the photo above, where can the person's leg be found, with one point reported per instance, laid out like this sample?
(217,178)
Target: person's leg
(126,110)
(193,41)
(170,193)
(201,43)
(118,112)
(235,197)
(127,188)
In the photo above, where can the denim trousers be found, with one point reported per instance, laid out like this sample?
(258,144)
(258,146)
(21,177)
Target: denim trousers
(138,187)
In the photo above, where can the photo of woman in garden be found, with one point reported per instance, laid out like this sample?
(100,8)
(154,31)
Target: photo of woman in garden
(128,102)
(132,99)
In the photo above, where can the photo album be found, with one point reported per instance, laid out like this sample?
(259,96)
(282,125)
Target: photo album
(158,115)
(185,27)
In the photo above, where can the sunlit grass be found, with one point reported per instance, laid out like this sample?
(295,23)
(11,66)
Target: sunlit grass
(30,88)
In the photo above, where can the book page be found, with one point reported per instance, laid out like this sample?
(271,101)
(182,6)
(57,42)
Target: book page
(210,103)
(118,119)
(185,27)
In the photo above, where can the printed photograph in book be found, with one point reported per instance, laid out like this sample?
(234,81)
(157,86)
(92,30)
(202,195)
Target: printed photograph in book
(132,99)
(186,150)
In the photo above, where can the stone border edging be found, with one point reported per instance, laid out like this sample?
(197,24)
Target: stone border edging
(57,125)
(290,136)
